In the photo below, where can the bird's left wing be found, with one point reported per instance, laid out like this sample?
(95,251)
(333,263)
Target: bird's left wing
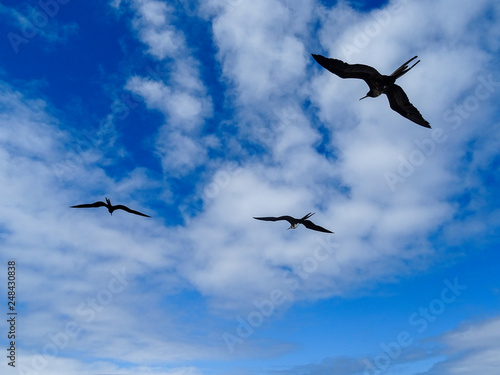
(90,205)
(267,218)
(399,102)
(310,225)
(345,70)
(125,208)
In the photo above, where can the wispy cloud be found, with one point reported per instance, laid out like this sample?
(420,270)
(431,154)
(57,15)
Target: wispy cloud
(40,21)
(46,237)
(470,349)
(182,98)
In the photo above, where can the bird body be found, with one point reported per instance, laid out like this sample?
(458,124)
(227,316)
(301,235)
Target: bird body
(110,207)
(379,84)
(294,223)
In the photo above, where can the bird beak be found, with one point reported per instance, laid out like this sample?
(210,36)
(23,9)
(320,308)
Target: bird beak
(366,96)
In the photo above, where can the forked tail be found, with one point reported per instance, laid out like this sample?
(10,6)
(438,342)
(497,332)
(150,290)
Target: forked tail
(403,69)
(307,216)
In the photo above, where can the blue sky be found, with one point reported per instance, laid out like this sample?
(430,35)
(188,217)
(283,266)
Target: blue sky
(205,114)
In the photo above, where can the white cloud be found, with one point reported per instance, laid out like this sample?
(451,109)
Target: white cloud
(471,349)
(181,153)
(260,48)
(183,99)
(152,21)
(52,244)
(368,139)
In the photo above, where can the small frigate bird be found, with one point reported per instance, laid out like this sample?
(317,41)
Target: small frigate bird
(294,223)
(378,83)
(109,206)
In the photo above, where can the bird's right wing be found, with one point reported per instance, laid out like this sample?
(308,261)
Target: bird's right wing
(309,224)
(399,102)
(345,70)
(90,205)
(125,208)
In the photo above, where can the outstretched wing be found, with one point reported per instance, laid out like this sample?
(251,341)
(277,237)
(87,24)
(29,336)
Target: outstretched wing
(125,208)
(399,102)
(345,70)
(271,218)
(90,205)
(310,225)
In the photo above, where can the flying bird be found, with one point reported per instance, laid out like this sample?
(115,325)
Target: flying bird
(110,207)
(294,223)
(379,84)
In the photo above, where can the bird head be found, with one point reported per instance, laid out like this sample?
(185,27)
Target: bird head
(366,96)
(293,226)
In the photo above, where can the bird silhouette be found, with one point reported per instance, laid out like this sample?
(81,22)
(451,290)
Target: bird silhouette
(294,223)
(379,84)
(110,207)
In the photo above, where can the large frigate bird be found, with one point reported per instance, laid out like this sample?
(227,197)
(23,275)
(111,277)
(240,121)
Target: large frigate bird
(378,83)
(294,223)
(109,206)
